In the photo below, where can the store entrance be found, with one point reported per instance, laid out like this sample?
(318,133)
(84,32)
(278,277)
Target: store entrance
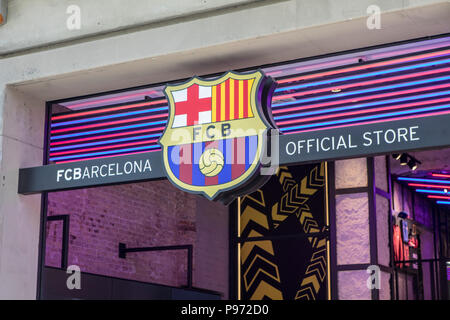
(420,221)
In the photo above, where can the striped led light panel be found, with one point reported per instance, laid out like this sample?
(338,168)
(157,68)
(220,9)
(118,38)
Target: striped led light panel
(108,131)
(402,83)
(435,186)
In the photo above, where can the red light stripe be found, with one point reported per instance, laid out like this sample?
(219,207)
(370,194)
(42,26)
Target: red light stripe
(359,84)
(377,96)
(78,114)
(366,66)
(440,175)
(104,124)
(344,114)
(439,197)
(428,185)
(57,143)
(104,148)
(108,156)
(373,121)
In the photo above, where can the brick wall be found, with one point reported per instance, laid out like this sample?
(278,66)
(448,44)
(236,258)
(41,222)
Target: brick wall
(142,214)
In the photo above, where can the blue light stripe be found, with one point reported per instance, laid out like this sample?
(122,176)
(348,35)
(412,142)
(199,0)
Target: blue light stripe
(86,155)
(423,180)
(340,95)
(433,191)
(111,116)
(75,146)
(362,105)
(376,116)
(107,130)
(443,202)
(365,75)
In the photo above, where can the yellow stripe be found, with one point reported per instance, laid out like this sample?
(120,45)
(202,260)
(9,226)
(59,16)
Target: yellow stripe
(241,97)
(250,84)
(222,101)
(231,99)
(213,99)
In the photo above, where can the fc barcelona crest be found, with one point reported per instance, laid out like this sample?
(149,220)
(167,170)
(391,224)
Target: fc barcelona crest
(216,134)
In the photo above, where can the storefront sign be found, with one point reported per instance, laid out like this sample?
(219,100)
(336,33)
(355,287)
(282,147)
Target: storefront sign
(216,133)
(215,139)
(89,173)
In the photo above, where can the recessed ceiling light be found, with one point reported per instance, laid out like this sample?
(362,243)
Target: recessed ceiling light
(403,159)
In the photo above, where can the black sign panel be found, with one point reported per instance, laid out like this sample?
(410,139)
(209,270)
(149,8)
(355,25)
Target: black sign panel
(305,147)
(358,141)
(82,174)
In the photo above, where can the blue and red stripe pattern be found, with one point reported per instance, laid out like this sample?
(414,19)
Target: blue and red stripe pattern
(108,131)
(239,154)
(416,85)
(435,186)
(399,83)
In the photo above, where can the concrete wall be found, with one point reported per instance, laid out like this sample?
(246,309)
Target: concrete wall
(118,47)
(21,146)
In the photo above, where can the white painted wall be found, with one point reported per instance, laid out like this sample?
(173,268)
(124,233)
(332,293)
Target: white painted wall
(122,45)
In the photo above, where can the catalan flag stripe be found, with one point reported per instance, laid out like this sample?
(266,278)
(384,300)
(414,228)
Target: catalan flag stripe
(236,99)
(241,99)
(232,99)
(250,83)
(227,100)
(222,101)
(245,99)
(214,103)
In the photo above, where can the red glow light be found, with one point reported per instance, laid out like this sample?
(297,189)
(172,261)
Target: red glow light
(441,175)
(428,185)
(439,197)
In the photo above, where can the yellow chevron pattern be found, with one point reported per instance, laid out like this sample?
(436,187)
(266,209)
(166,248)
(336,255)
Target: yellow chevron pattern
(260,274)
(266,290)
(247,247)
(294,201)
(285,177)
(315,274)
